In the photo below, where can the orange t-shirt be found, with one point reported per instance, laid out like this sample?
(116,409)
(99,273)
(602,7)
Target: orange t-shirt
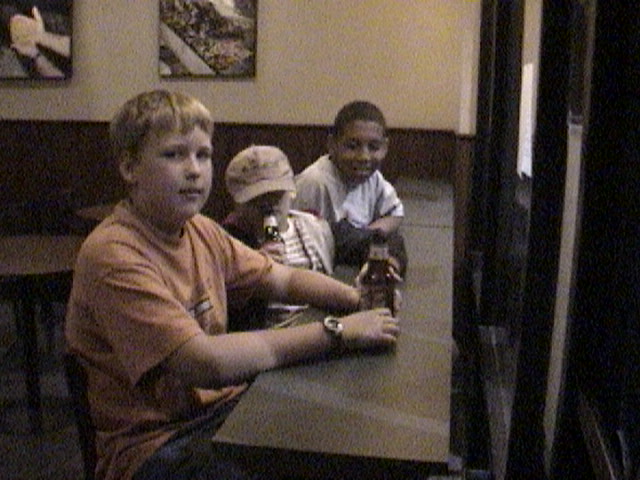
(137,296)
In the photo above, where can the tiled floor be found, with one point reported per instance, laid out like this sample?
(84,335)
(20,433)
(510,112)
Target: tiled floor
(54,453)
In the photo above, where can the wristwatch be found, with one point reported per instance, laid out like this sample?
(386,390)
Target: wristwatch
(334,327)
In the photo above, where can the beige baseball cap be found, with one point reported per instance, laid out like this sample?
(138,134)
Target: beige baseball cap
(257,170)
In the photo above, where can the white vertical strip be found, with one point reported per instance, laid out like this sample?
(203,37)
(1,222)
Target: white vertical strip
(469,53)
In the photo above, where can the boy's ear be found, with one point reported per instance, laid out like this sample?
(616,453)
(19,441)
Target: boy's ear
(386,145)
(126,165)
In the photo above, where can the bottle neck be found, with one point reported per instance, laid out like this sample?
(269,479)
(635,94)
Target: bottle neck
(379,251)
(270,229)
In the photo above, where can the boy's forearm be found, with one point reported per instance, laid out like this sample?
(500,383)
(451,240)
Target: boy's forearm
(216,361)
(306,286)
(386,224)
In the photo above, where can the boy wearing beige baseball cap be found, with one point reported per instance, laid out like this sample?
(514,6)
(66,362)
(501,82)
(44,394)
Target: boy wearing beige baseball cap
(260,181)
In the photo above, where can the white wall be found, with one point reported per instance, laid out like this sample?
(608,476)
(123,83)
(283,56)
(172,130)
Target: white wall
(411,57)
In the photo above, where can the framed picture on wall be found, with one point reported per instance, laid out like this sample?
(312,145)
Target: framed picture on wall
(208,38)
(35,39)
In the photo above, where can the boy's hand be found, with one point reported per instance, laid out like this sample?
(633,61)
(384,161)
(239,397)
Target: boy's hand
(397,295)
(369,329)
(394,269)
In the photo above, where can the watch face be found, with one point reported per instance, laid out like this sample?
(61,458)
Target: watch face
(333,326)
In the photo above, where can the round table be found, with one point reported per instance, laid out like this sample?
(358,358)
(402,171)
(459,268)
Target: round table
(35,269)
(23,255)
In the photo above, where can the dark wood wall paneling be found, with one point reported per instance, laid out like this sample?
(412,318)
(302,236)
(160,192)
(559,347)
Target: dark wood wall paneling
(46,167)
(46,162)
(40,160)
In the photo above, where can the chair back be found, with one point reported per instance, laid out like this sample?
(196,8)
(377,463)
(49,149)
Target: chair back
(77,385)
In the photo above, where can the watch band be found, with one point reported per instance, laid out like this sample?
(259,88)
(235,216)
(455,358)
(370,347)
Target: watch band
(333,326)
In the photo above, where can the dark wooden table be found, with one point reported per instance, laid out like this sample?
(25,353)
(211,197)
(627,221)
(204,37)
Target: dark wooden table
(35,269)
(366,415)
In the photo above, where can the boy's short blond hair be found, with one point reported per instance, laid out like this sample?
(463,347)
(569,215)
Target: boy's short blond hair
(158,111)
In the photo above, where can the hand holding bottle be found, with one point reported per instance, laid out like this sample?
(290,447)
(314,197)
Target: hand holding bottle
(272,243)
(378,279)
(373,328)
(366,293)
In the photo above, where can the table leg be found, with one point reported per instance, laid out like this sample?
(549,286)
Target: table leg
(26,320)
(47,318)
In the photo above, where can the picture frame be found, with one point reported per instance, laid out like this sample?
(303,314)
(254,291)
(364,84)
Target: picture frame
(207,39)
(36,39)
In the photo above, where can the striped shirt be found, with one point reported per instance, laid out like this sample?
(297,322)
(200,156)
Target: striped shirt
(299,249)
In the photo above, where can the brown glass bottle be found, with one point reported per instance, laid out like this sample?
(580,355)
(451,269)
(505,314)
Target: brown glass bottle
(378,283)
(271,230)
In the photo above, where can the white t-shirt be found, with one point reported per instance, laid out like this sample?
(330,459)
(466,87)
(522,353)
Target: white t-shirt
(321,190)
